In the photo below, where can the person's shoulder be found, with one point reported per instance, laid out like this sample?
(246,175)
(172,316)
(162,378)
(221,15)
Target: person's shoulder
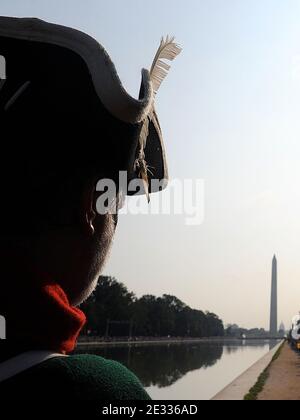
(80,377)
(94,377)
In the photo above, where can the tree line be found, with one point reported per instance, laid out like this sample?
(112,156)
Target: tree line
(113,311)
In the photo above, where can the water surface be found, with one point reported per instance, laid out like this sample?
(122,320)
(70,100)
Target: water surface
(196,371)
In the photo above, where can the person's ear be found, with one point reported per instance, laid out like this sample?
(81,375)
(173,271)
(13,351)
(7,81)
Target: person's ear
(89,214)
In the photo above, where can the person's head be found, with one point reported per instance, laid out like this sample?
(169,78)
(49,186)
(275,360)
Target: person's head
(48,209)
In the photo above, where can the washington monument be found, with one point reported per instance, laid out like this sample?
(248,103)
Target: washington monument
(273,315)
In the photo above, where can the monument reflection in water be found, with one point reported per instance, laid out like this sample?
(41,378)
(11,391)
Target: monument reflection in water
(186,371)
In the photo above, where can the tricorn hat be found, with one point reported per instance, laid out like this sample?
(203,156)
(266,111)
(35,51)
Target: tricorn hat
(58,77)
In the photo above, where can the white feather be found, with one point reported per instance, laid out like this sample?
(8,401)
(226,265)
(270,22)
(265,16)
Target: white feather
(168,50)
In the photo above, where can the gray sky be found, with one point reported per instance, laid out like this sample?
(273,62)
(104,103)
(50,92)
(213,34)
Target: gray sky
(229,110)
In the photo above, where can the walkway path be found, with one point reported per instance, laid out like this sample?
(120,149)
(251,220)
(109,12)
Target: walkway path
(284,377)
(237,390)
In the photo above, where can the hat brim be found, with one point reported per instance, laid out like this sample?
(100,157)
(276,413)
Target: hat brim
(155,157)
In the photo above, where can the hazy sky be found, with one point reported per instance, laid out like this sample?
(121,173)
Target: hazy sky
(230,115)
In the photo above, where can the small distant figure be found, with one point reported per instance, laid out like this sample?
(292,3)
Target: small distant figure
(2,67)
(2,328)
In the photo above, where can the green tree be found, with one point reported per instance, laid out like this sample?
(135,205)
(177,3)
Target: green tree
(110,301)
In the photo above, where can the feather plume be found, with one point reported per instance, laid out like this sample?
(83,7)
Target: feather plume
(168,50)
